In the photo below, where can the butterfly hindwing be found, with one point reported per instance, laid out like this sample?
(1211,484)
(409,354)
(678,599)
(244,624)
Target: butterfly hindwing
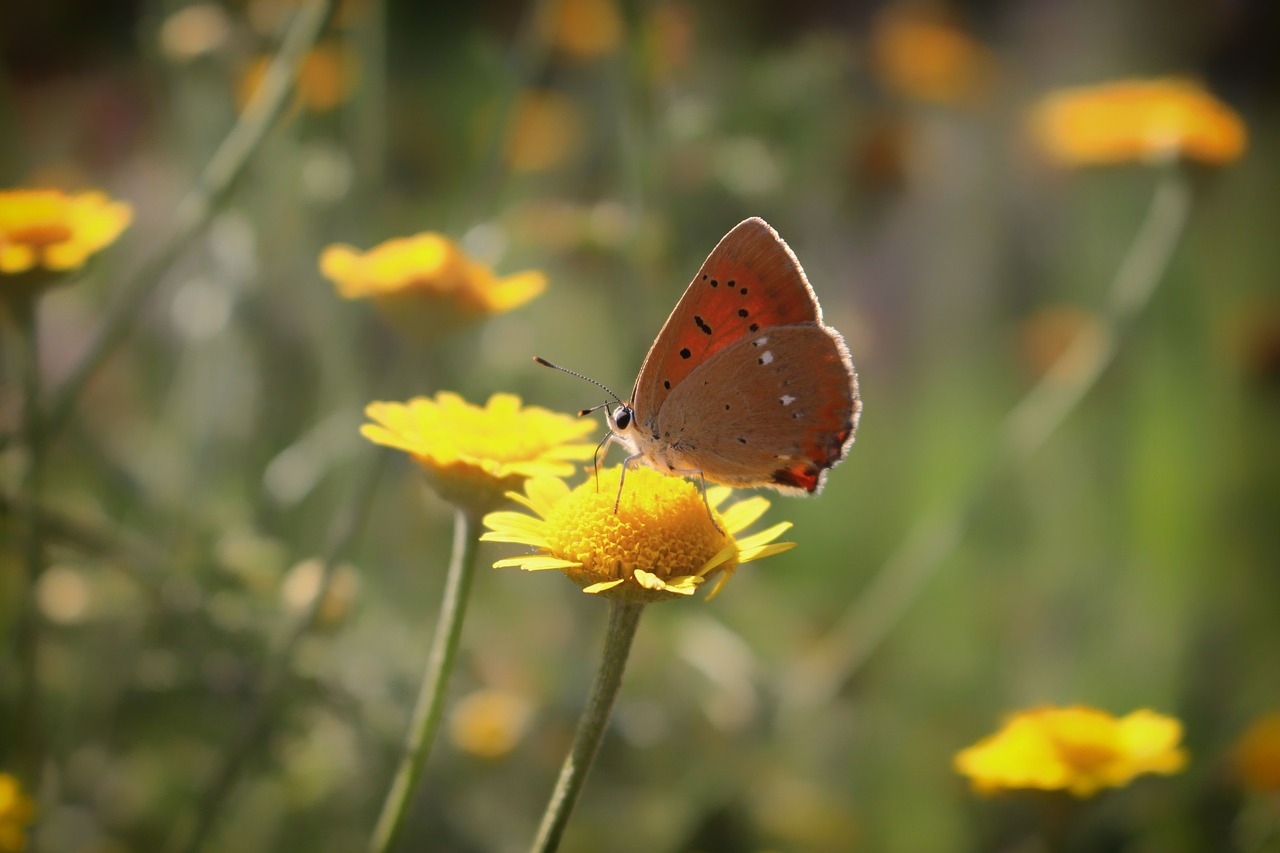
(751,281)
(763,419)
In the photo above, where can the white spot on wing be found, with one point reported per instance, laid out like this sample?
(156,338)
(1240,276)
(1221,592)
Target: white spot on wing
(767,358)
(786,399)
(759,342)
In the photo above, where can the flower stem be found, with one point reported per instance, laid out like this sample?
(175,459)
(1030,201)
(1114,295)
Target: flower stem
(29,734)
(904,575)
(201,201)
(430,707)
(190,834)
(624,617)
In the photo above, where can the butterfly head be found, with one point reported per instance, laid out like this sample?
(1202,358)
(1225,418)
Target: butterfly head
(622,418)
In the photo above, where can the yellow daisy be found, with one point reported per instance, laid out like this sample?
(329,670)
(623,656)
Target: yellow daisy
(16,813)
(1077,749)
(490,722)
(426,284)
(327,77)
(660,544)
(1138,121)
(586,29)
(548,131)
(48,230)
(921,55)
(1257,754)
(474,455)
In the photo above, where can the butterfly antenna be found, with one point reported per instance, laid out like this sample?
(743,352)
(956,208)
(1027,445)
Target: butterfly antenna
(606,388)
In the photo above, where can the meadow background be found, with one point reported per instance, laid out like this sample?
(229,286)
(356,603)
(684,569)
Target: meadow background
(214,461)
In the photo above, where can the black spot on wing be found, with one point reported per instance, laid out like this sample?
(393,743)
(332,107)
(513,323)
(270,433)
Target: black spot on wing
(685,353)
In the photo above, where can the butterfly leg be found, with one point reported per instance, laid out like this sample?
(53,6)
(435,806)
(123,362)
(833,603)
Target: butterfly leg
(702,487)
(626,463)
(602,449)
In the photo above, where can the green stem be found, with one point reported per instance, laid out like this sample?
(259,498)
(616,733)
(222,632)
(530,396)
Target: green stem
(430,707)
(189,835)
(904,575)
(198,206)
(34,437)
(624,617)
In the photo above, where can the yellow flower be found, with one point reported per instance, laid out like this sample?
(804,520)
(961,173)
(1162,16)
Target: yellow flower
(1257,754)
(660,544)
(586,29)
(1077,749)
(474,455)
(490,722)
(922,56)
(55,232)
(547,132)
(16,813)
(327,77)
(425,284)
(1138,120)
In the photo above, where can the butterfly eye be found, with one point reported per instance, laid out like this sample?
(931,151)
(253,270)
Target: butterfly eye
(622,418)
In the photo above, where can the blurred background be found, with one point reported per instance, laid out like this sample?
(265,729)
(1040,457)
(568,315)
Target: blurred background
(1131,562)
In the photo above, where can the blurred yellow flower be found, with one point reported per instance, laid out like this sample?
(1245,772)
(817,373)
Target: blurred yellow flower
(1050,332)
(327,77)
(1138,120)
(489,723)
(16,813)
(425,284)
(585,29)
(547,132)
(920,55)
(301,584)
(660,544)
(55,232)
(1077,749)
(194,31)
(1257,754)
(474,455)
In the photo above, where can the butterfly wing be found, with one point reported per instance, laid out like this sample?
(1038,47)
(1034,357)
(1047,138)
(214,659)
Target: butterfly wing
(764,419)
(749,282)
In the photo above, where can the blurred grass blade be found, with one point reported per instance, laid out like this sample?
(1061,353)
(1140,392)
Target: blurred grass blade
(196,209)
(837,657)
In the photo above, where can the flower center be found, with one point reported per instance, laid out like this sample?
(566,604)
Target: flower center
(661,526)
(39,234)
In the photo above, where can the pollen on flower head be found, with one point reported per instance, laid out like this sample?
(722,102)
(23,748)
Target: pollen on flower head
(661,543)
(51,232)
(1077,749)
(472,454)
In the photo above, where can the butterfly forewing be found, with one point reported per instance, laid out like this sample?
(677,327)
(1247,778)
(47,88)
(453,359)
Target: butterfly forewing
(750,282)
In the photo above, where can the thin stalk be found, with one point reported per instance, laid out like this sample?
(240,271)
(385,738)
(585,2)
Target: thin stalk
(197,207)
(624,617)
(526,56)
(904,575)
(190,834)
(435,680)
(31,737)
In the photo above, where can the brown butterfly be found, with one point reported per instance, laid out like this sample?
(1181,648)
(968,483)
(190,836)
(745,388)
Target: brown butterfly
(745,385)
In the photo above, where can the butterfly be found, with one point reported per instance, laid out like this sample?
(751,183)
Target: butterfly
(745,385)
